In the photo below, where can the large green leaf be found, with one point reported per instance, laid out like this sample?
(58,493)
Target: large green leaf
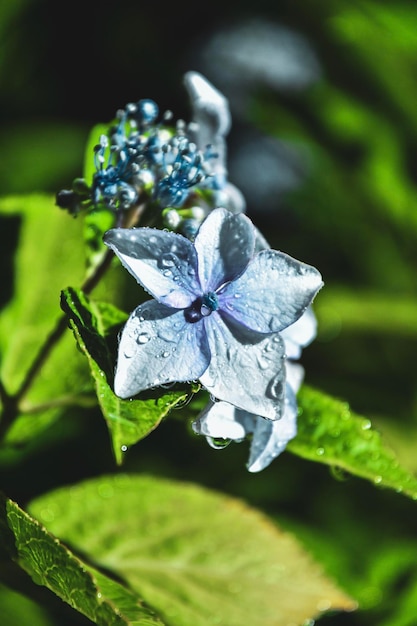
(95,326)
(48,254)
(197,557)
(51,564)
(329,432)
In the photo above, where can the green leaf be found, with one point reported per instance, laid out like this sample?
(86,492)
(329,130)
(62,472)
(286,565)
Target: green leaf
(48,254)
(49,563)
(95,326)
(196,556)
(329,432)
(18,610)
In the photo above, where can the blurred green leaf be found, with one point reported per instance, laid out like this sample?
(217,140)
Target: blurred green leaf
(39,155)
(329,432)
(195,556)
(18,610)
(365,311)
(49,563)
(95,326)
(48,254)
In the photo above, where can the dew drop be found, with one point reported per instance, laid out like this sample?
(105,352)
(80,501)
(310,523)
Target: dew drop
(123,448)
(143,338)
(320,451)
(218,443)
(168,260)
(129,350)
(275,388)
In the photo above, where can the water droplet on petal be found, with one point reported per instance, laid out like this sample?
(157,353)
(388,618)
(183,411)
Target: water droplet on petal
(143,338)
(130,349)
(168,260)
(275,388)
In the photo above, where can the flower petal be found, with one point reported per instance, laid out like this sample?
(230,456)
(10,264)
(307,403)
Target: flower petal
(164,263)
(271,438)
(211,118)
(218,420)
(246,369)
(272,293)
(224,245)
(300,334)
(159,346)
(295,375)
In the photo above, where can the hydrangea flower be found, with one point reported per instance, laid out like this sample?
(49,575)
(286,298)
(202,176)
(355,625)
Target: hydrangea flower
(221,422)
(217,312)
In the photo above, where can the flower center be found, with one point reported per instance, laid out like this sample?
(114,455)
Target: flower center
(202,307)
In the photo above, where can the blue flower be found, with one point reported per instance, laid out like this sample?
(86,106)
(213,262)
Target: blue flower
(221,422)
(217,313)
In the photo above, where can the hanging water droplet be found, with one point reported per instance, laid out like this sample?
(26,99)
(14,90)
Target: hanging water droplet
(123,448)
(378,480)
(218,443)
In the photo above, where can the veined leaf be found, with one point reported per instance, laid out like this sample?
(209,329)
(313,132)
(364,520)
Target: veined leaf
(329,432)
(196,556)
(51,564)
(95,325)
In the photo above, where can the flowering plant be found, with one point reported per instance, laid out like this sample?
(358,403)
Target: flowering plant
(220,339)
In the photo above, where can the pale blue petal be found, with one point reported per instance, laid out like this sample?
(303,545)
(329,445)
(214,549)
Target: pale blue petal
(271,438)
(224,245)
(218,420)
(295,375)
(246,369)
(211,118)
(159,346)
(300,334)
(272,293)
(164,263)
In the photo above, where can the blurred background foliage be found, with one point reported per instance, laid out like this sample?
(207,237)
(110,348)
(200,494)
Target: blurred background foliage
(323,145)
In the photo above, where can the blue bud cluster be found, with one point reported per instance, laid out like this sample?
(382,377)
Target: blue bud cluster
(142,160)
